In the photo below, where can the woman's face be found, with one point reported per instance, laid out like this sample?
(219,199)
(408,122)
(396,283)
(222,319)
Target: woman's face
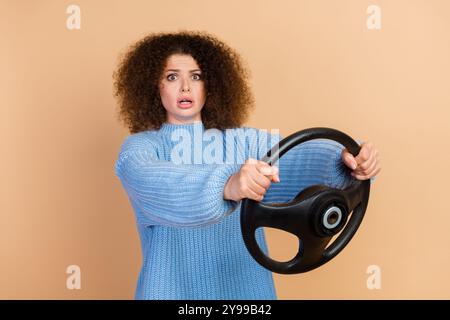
(182,89)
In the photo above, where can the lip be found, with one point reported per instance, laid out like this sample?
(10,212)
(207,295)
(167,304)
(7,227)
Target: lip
(185,106)
(185,98)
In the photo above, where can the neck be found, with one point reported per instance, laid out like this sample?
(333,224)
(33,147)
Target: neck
(172,119)
(171,122)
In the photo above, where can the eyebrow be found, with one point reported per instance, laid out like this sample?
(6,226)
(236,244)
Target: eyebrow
(178,70)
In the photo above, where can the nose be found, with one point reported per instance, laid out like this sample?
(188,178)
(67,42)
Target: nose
(185,86)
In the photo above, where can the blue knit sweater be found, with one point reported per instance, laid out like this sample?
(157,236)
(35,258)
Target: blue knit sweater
(190,235)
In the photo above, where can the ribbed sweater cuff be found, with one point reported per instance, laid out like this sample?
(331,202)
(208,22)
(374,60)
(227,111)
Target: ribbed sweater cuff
(227,207)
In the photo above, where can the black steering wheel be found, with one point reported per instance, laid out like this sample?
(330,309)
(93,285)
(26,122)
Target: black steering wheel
(315,215)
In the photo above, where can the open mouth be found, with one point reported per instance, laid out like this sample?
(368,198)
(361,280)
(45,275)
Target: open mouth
(184,103)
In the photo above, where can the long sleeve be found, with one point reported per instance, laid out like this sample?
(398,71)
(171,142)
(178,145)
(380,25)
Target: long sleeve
(166,193)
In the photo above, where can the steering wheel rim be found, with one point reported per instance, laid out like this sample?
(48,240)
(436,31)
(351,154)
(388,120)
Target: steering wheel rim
(314,216)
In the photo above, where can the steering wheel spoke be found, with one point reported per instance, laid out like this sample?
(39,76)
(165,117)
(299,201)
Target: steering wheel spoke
(353,194)
(277,215)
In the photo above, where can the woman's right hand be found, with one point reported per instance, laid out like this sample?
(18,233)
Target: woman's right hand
(251,181)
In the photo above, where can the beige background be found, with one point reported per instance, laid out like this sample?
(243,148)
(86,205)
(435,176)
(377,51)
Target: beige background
(313,63)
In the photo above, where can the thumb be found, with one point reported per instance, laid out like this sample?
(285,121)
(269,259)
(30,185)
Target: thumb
(349,160)
(276,174)
(270,171)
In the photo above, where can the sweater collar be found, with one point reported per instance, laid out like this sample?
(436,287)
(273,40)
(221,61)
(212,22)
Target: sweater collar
(168,128)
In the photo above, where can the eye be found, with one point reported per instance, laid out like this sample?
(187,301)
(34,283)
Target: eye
(172,76)
(196,76)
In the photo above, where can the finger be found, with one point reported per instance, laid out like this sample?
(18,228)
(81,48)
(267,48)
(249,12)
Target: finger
(366,167)
(262,166)
(360,176)
(348,159)
(364,153)
(260,179)
(250,194)
(254,185)
(368,176)
(272,172)
(366,172)
(276,177)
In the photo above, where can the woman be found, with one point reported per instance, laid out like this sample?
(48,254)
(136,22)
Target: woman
(179,94)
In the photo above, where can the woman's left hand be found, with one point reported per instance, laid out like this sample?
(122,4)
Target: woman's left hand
(366,164)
